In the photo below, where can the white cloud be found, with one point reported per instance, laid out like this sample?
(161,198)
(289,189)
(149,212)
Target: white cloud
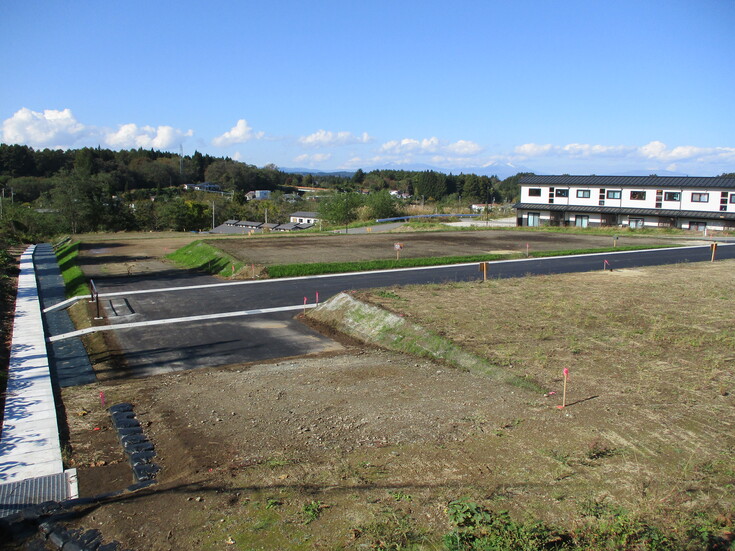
(464,147)
(60,129)
(132,136)
(533,149)
(51,128)
(653,151)
(315,158)
(410,145)
(659,151)
(324,138)
(240,133)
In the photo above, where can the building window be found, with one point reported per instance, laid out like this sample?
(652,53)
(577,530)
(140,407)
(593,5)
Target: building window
(534,192)
(562,193)
(581,220)
(700,197)
(699,226)
(637,195)
(732,198)
(672,196)
(583,194)
(533,219)
(614,194)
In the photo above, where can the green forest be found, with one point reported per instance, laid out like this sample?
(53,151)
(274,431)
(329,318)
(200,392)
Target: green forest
(51,191)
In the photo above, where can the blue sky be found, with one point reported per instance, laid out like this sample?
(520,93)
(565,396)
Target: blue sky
(555,86)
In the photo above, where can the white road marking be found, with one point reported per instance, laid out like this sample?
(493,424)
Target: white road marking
(203,317)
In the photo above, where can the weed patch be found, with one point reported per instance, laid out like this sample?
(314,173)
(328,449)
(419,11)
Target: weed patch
(318,268)
(203,257)
(74,279)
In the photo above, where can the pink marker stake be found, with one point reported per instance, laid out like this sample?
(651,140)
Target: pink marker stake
(526,250)
(564,395)
(102,398)
(304,305)
(317,297)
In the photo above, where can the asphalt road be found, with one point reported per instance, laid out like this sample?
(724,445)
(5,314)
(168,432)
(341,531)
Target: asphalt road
(151,350)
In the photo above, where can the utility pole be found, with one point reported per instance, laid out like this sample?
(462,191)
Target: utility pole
(212,214)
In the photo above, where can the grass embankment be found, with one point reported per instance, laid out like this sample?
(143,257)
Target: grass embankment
(74,279)
(204,257)
(318,268)
(378,326)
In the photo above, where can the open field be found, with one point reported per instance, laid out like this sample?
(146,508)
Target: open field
(365,449)
(345,248)
(142,254)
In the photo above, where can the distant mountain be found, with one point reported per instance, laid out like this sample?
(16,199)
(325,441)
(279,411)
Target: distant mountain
(649,173)
(304,171)
(501,170)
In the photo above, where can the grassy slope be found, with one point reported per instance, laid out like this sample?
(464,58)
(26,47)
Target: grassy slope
(74,280)
(204,257)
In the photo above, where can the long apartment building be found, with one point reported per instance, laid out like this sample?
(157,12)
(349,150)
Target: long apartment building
(632,201)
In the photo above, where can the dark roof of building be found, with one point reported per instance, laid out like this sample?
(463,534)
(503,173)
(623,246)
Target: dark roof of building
(305,214)
(631,181)
(635,212)
(248,224)
(288,226)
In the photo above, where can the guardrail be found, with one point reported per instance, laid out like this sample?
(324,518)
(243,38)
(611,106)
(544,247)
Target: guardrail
(94,294)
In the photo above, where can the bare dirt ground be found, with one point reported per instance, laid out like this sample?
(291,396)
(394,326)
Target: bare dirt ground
(345,248)
(366,448)
(141,254)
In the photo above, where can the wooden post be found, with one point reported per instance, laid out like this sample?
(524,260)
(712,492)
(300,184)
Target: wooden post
(484,271)
(564,395)
(713,246)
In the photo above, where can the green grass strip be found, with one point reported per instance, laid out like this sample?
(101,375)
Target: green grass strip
(75,282)
(203,257)
(318,268)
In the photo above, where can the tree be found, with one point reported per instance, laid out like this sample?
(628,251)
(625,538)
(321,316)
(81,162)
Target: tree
(340,208)
(382,205)
(431,185)
(358,177)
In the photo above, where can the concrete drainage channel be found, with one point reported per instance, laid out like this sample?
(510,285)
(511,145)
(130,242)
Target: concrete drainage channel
(47,519)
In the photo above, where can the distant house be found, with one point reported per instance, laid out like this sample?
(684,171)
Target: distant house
(204,186)
(694,203)
(258,195)
(248,224)
(480,207)
(304,217)
(293,226)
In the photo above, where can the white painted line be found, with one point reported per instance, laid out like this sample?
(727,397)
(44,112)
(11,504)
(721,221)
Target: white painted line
(64,303)
(203,317)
